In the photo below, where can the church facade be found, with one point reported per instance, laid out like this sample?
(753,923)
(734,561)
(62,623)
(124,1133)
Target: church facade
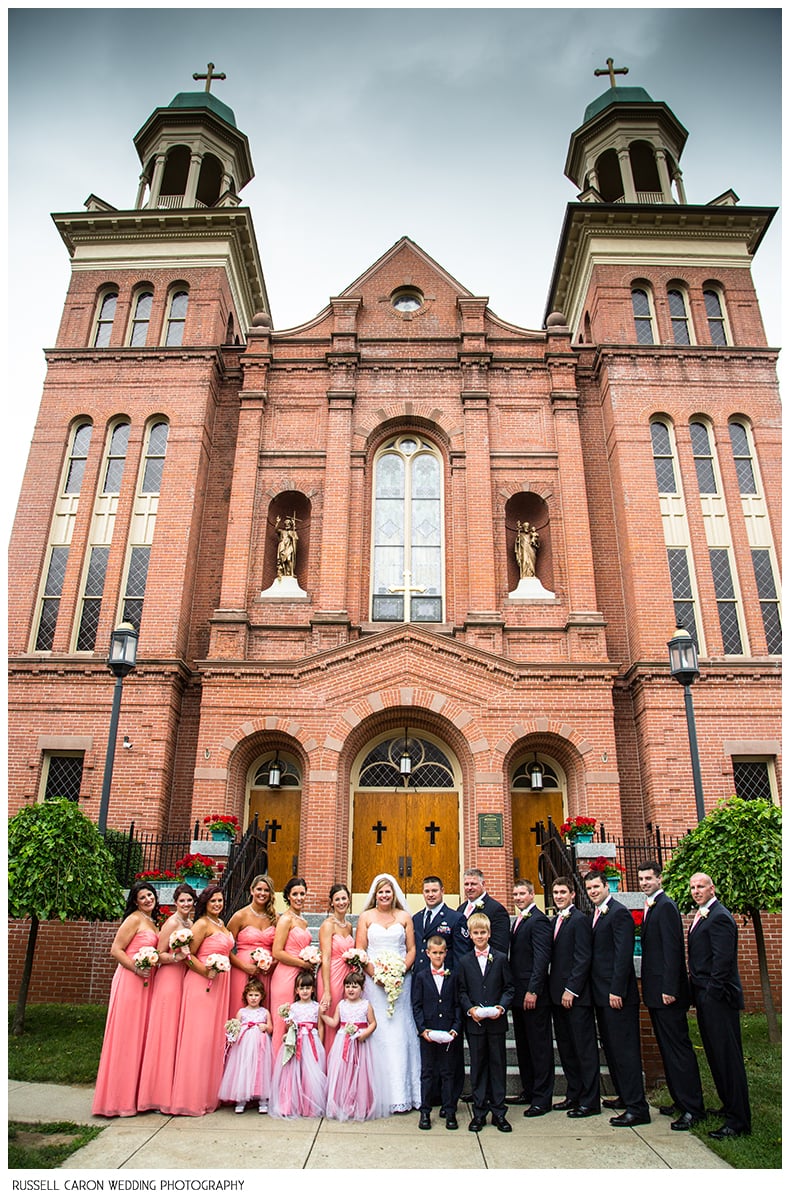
(406,529)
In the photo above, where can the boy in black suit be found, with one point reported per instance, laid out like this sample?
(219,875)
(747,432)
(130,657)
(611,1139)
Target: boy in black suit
(436,1007)
(486,991)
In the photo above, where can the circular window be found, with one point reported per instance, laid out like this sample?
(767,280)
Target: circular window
(407,299)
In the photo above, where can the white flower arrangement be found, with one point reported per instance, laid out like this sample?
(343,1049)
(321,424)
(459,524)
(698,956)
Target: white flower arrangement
(232,1029)
(219,963)
(350,1029)
(145,958)
(262,958)
(311,956)
(389,970)
(357,958)
(181,939)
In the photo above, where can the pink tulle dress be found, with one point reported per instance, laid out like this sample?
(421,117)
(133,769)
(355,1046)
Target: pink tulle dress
(248,938)
(338,968)
(281,988)
(353,1088)
(159,1056)
(248,1063)
(299,1083)
(124,1035)
(201,1035)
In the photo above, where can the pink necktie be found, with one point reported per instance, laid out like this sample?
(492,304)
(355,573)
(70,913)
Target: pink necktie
(596,916)
(518,921)
(696,919)
(557,926)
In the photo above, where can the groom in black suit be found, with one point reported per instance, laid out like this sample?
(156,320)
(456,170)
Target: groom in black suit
(486,991)
(436,919)
(530,955)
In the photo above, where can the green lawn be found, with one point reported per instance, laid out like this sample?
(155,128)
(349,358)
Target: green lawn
(45,1145)
(61,1043)
(763,1148)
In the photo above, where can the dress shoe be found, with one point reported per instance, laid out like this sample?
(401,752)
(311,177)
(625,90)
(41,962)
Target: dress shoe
(583,1112)
(452,1123)
(669,1110)
(477,1124)
(425,1121)
(534,1111)
(522,1100)
(629,1120)
(502,1124)
(725,1133)
(613,1104)
(685,1122)
(567,1104)
(443,1113)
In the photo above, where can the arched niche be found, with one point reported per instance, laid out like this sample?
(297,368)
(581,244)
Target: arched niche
(287,506)
(527,506)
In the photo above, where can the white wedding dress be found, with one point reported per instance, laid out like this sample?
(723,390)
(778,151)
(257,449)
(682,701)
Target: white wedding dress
(395,1041)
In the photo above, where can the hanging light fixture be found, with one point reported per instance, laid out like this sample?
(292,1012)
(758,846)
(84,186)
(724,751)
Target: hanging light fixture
(536,774)
(405,758)
(275,772)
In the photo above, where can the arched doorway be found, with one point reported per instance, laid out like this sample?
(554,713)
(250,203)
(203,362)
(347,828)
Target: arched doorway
(276,798)
(527,807)
(405,823)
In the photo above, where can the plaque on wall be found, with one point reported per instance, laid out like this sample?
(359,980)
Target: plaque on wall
(489,831)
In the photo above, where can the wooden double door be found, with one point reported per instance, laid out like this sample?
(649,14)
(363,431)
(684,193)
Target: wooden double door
(407,834)
(527,807)
(282,810)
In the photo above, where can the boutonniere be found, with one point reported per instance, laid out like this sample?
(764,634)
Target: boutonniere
(478,905)
(566,914)
(704,913)
(604,908)
(490,957)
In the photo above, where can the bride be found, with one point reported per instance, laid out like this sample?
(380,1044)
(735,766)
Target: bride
(385,925)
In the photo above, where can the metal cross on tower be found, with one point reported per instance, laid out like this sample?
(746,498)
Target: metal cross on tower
(611,71)
(210,76)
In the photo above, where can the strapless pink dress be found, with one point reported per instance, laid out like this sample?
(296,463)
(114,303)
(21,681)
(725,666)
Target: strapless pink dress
(249,938)
(201,1036)
(124,1035)
(281,991)
(159,1057)
(338,968)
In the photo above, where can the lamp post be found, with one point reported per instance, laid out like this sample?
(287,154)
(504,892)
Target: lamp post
(684,668)
(122,660)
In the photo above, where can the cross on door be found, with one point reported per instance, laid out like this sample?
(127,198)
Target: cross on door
(274,828)
(378,829)
(432,828)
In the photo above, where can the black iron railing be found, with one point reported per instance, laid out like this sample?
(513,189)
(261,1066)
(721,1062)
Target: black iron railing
(246,859)
(557,860)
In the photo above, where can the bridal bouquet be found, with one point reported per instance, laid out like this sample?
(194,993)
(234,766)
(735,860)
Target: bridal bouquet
(145,958)
(311,956)
(355,958)
(219,963)
(262,958)
(181,939)
(389,970)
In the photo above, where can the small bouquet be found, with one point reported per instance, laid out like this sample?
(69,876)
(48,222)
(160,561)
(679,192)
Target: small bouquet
(311,956)
(350,1029)
(232,1029)
(145,958)
(389,970)
(289,1039)
(355,958)
(219,963)
(181,940)
(262,958)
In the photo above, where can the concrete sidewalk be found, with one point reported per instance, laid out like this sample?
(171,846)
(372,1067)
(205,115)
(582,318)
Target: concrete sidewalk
(224,1140)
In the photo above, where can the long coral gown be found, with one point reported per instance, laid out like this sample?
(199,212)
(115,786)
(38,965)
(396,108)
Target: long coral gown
(249,938)
(124,1035)
(281,990)
(338,969)
(159,1055)
(201,1035)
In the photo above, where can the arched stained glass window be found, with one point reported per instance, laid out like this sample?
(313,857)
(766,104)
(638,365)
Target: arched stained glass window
(431,769)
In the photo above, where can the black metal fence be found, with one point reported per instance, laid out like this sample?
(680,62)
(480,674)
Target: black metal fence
(135,853)
(632,851)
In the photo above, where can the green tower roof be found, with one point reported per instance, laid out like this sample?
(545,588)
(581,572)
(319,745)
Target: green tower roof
(204,100)
(617,95)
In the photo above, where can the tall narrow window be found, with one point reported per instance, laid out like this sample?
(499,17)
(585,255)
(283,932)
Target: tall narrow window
(155,459)
(141,318)
(643,316)
(703,458)
(77,459)
(105,318)
(715,314)
(50,604)
(407,544)
(141,532)
(136,579)
(679,317)
(116,459)
(769,600)
(742,456)
(176,318)
(726,600)
(682,593)
(663,458)
(92,597)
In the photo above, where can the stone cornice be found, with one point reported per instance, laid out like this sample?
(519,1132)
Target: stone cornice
(89,668)
(712,672)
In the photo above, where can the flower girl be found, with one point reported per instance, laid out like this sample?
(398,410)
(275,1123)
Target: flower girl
(351,1076)
(248,1064)
(299,1078)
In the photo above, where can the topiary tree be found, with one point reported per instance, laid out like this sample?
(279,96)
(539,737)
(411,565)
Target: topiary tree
(739,845)
(58,867)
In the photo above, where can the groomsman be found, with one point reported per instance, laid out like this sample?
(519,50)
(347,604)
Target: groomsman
(436,919)
(717,994)
(530,955)
(477,899)
(616,998)
(571,1004)
(665,992)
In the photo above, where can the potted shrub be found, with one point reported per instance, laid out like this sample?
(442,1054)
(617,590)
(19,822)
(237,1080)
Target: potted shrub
(195,869)
(166,876)
(579,829)
(638,918)
(222,827)
(613,870)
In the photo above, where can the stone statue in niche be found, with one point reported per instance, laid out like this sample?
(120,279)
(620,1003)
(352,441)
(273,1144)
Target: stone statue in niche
(527,544)
(288,539)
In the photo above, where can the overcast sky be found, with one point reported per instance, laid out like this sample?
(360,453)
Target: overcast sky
(450,125)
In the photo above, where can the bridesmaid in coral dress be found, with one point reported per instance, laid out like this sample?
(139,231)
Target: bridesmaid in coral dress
(252,927)
(204,1011)
(335,936)
(127,1015)
(159,1056)
(291,936)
